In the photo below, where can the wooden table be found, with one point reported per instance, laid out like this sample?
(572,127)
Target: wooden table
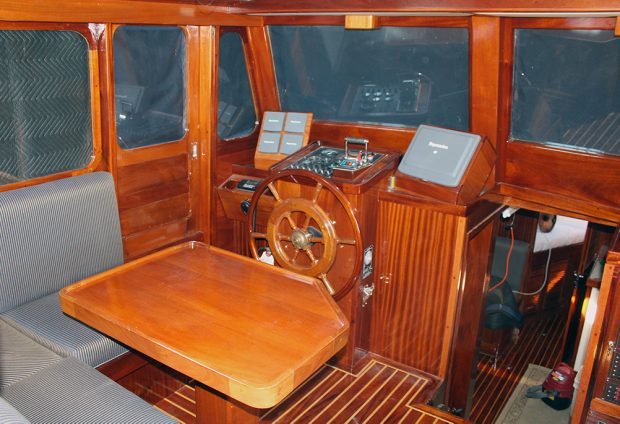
(247,332)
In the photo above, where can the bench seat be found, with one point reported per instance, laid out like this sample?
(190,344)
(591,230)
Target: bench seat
(70,391)
(10,415)
(43,321)
(21,356)
(55,234)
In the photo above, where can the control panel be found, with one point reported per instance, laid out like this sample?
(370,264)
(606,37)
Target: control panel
(325,160)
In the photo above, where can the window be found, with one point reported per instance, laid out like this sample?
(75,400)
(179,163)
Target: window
(235,106)
(566,89)
(149,85)
(45,104)
(401,76)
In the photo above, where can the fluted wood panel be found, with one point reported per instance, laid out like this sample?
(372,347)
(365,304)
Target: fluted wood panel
(416,253)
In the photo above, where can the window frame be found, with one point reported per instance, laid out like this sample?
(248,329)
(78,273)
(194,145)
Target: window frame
(250,69)
(324,126)
(186,130)
(531,169)
(91,35)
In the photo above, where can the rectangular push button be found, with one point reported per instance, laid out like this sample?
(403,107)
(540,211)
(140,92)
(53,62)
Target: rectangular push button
(291,143)
(296,122)
(273,121)
(269,142)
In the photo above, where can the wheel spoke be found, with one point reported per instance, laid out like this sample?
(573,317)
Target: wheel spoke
(290,220)
(295,255)
(316,240)
(346,241)
(310,255)
(256,235)
(275,193)
(317,190)
(306,222)
(284,237)
(328,285)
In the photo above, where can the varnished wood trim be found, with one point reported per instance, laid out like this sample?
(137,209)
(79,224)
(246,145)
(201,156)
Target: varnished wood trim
(194,97)
(553,203)
(457,279)
(120,11)
(203,181)
(484,79)
(617,28)
(379,136)
(260,55)
(426,6)
(252,75)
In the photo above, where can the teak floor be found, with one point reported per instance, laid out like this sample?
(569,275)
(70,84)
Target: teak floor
(378,392)
(540,343)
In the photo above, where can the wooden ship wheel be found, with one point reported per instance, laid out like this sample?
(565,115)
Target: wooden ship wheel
(302,236)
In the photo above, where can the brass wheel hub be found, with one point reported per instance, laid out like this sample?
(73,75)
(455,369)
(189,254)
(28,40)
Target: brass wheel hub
(300,239)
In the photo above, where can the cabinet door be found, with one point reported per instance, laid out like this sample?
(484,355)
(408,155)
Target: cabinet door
(417,258)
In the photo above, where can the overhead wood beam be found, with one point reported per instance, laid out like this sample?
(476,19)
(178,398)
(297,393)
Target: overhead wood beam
(120,11)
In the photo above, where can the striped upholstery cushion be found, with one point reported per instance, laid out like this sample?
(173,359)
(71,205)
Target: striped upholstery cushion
(56,233)
(43,321)
(21,356)
(72,392)
(10,415)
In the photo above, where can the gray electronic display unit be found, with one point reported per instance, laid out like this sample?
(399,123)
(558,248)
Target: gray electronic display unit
(439,155)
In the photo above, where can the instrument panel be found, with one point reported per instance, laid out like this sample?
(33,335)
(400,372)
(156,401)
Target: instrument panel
(325,160)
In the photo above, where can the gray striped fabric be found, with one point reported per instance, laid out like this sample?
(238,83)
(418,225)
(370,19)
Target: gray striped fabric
(10,415)
(56,233)
(20,356)
(72,392)
(43,321)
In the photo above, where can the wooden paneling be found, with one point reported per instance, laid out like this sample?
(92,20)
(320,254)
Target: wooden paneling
(557,292)
(415,257)
(139,244)
(485,55)
(574,175)
(153,204)
(261,61)
(161,211)
(119,11)
(383,137)
(151,174)
(424,6)
(468,319)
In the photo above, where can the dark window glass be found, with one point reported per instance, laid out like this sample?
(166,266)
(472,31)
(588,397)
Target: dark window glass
(393,75)
(566,89)
(45,112)
(149,85)
(235,106)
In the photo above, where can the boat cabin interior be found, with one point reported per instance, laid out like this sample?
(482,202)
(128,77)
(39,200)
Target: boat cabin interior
(239,211)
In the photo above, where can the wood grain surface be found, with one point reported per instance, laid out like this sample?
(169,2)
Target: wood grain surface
(250,331)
